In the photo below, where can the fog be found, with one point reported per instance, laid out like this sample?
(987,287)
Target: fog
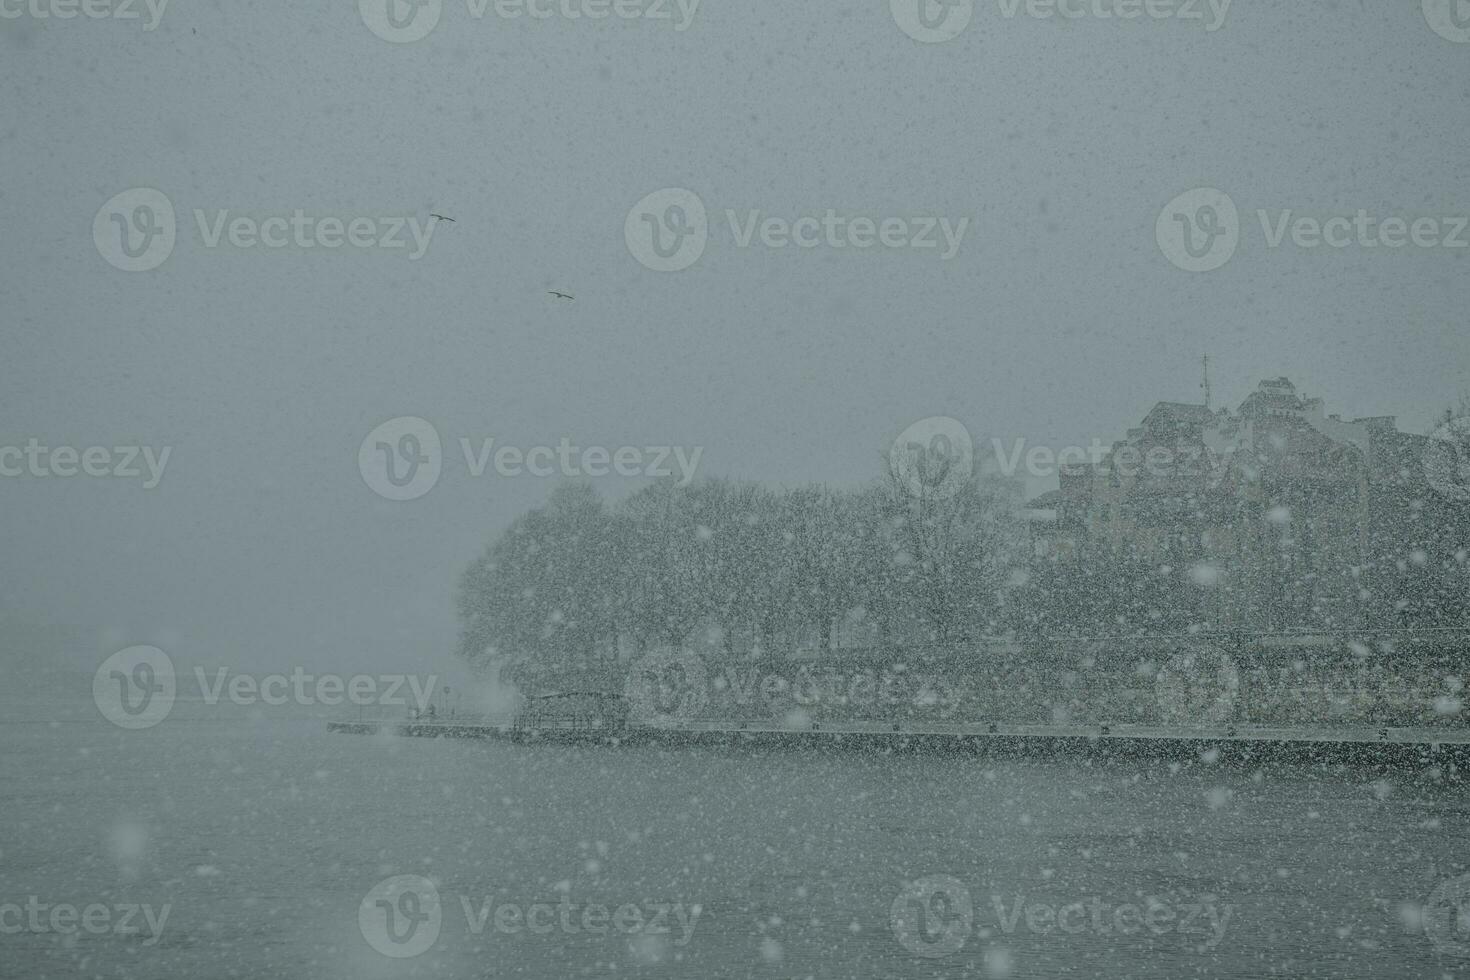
(1057,320)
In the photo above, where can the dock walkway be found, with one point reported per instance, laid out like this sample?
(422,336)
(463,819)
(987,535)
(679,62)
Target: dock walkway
(1351,741)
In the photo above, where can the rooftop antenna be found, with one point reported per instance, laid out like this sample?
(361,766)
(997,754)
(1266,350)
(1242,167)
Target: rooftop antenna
(1206,384)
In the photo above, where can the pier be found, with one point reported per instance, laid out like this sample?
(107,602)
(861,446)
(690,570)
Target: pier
(1450,746)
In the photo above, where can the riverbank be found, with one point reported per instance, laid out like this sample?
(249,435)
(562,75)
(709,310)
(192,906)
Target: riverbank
(1412,746)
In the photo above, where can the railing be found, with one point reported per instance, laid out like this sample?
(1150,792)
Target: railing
(1285,679)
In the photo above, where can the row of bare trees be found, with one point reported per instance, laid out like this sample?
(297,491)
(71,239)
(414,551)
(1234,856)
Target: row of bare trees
(743,567)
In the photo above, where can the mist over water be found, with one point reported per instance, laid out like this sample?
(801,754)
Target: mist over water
(664,488)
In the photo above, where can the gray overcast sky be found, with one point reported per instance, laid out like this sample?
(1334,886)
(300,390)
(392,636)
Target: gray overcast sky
(1058,320)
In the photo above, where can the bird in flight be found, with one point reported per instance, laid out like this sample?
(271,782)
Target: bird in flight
(558,295)
(442,217)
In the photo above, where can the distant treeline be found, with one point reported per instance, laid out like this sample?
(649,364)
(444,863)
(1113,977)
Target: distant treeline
(746,571)
(744,568)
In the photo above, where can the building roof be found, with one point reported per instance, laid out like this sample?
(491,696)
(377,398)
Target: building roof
(1183,409)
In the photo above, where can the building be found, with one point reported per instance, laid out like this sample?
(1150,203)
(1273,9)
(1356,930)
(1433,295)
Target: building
(1274,516)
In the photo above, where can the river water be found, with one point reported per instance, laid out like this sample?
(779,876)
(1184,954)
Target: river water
(265,839)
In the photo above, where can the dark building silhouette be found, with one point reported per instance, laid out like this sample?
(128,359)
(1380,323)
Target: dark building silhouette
(1275,516)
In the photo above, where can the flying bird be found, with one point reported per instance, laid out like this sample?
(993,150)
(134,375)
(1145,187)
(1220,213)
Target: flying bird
(558,295)
(442,217)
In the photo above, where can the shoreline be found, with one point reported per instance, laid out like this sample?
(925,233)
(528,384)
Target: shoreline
(1419,746)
